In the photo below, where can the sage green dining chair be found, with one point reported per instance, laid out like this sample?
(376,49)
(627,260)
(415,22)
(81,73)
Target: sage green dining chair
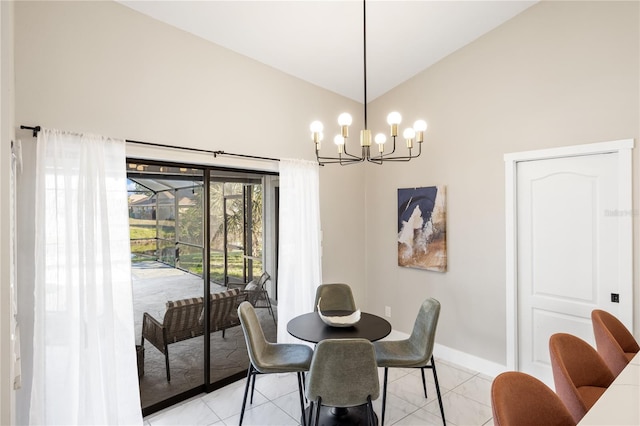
(343,374)
(266,357)
(414,352)
(335,297)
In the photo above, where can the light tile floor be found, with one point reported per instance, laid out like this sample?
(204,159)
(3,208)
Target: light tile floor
(465,396)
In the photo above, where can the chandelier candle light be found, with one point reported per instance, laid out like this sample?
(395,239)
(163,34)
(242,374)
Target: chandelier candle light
(411,135)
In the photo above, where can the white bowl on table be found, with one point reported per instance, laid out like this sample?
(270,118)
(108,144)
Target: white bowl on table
(339,320)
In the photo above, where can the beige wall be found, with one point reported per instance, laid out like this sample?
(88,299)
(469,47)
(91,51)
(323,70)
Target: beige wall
(100,67)
(560,73)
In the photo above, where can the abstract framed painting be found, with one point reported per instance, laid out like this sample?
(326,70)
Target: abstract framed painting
(422,228)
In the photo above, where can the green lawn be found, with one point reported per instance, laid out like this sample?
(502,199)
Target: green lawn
(190,258)
(142,222)
(193,263)
(138,232)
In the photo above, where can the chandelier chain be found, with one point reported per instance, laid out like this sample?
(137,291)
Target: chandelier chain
(364,50)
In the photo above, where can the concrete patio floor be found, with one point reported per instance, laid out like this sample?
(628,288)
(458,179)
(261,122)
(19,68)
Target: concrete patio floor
(153,285)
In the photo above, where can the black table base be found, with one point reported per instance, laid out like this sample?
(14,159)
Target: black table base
(333,416)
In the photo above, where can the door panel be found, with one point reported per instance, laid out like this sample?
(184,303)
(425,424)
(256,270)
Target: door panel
(567,251)
(548,322)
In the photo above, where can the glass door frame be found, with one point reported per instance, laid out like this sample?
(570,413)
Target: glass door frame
(207,170)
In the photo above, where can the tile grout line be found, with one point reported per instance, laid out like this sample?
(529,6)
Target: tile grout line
(477,375)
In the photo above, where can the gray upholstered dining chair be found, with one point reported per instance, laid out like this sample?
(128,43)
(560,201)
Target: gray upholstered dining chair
(414,352)
(269,357)
(335,297)
(343,374)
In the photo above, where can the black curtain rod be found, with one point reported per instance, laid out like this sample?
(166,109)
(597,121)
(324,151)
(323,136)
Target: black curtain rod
(215,154)
(35,129)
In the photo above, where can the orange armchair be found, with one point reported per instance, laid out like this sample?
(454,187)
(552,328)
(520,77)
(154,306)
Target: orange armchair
(518,399)
(615,343)
(579,373)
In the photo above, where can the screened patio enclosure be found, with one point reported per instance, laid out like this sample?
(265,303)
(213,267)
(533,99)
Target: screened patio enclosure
(194,230)
(166,220)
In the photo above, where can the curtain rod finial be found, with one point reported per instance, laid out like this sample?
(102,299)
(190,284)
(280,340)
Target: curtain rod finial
(35,129)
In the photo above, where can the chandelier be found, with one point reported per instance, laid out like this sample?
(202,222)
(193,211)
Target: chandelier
(411,135)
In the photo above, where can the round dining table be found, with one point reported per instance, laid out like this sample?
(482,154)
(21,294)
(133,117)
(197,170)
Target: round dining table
(310,328)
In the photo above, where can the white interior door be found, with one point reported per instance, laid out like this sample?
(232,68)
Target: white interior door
(571,251)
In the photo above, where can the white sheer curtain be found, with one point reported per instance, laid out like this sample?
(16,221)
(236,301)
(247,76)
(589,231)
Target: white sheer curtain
(299,266)
(16,165)
(84,350)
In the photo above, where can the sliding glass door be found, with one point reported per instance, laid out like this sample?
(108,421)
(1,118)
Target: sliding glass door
(177,215)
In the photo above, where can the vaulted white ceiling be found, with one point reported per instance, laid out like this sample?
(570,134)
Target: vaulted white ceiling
(322,41)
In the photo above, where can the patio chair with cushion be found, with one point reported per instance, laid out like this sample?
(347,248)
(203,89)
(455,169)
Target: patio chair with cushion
(223,310)
(184,319)
(257,295)
(181,321)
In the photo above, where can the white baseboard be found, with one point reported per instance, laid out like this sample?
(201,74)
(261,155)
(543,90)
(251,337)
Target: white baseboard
(472,362)
(454,356)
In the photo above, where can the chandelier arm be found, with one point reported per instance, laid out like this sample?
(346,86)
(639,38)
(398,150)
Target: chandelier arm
(339,160)
(379,160)
(394,147)
(352,161)
(390,160)
(384,155)
(383,158)
(351,155)
(399,159)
